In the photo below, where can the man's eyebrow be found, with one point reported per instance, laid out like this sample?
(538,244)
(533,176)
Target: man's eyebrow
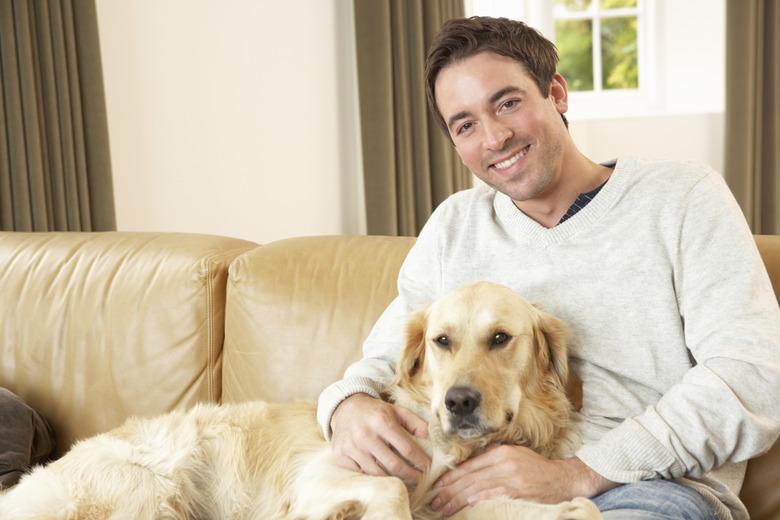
(511,89)
(504,91)
(459,115)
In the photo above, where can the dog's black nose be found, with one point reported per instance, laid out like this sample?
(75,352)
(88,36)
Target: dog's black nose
(462,400)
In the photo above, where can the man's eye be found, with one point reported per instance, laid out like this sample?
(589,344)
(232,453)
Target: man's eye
(499,339)
(510,103)
(443,341)
(464,128)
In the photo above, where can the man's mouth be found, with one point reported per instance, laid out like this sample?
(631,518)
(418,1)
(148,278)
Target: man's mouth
(506,163)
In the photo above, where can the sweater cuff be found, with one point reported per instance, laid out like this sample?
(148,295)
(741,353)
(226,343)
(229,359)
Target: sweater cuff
(334,394)
(629,453)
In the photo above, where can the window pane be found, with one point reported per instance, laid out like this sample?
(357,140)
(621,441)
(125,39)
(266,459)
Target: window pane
(574,39)
(619,53)
(611,4)
(573,5)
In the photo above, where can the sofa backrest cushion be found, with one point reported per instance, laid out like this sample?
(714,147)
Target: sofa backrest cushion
(299,309)
(95,327)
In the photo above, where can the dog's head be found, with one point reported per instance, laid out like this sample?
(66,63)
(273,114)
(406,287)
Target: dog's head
(488,367)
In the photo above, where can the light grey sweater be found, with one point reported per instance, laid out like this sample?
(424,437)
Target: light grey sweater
(672,322)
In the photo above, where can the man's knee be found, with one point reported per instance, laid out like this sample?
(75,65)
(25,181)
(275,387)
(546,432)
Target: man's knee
(654,500)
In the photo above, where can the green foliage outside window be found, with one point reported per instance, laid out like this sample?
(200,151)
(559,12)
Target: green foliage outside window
(574,5)
(612,4)
(619,53)
(619,57)
(574,39)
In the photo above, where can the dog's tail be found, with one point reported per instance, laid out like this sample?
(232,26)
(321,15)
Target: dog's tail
(40,495)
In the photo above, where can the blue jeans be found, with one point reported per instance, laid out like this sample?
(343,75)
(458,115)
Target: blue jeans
(654,500)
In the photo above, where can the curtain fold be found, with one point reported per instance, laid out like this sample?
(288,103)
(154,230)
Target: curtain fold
(55,168)
(752,156)
(409,164)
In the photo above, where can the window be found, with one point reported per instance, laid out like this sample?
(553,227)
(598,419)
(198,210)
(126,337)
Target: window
(680,53)
(598,42)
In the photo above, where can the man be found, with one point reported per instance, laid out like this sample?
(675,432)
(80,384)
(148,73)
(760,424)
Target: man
(673,325)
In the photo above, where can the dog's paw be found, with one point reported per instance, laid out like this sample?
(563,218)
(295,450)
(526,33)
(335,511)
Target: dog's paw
(579,509)
(350,510)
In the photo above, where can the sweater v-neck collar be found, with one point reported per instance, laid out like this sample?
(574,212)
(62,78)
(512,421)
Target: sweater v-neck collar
(526,229)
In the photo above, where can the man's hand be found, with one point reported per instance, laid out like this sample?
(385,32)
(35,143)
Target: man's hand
(516,472)
(375,437)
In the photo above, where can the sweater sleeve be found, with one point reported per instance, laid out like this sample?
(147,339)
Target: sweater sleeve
(725,409)
(419,282)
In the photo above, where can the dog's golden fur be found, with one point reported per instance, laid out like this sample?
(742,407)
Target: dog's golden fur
(261,460)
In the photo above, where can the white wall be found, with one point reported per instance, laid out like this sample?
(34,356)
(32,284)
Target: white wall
(234,117)
(686,137)
(239,117)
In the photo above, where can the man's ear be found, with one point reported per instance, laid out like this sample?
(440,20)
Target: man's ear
(559,93)
(413,355)
(550,337)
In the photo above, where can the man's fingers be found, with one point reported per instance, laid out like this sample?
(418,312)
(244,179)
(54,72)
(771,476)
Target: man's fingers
(346,463)
(484,460)
(404,444)
(395,465)
(469,495)
(451,492)
(368,464)
(413,423)
(487,494)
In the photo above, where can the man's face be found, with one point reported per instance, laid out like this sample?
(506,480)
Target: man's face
(504,130)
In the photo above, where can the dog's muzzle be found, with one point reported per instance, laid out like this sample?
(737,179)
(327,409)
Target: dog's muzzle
(462,403)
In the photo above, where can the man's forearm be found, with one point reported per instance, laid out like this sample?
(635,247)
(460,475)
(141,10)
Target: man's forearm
(583,481)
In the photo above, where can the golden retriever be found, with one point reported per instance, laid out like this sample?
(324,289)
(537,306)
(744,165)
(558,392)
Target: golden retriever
(481,365)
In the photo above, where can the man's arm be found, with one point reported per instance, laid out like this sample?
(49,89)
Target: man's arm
(725,408)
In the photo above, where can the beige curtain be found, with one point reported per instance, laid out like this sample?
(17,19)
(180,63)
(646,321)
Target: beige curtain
(752,162)
(55,172)
(409,164)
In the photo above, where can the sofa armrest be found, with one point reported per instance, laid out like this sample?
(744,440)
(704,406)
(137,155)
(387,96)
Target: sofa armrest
(100,326)
(761,488)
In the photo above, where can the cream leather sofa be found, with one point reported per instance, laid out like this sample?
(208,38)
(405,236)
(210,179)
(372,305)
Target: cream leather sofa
(95,327)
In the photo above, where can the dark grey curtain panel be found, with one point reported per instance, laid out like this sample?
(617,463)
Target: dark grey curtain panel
(752,158)
(55,168)
(409,165)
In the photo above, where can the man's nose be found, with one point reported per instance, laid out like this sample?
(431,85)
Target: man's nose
(496,135)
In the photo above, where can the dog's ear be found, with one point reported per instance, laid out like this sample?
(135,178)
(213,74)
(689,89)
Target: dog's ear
(413,355)
(550,337)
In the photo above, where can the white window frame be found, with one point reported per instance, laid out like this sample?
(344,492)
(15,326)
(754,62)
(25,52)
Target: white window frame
(599,103)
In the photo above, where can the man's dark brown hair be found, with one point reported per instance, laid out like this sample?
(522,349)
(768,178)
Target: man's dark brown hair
(461,38)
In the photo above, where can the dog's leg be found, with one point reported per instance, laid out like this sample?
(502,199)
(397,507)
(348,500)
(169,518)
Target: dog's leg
(579,509)
(352,510)
(319,489)
(506,509)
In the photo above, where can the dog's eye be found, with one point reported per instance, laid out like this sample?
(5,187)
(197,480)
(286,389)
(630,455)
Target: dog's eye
(499,339)
(443,341)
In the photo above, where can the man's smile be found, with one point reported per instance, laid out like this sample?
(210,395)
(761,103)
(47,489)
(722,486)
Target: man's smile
(505,164)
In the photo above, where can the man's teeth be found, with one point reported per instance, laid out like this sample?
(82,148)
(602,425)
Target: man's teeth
(512,160)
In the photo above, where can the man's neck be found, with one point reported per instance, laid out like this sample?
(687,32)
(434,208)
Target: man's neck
(581,175)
